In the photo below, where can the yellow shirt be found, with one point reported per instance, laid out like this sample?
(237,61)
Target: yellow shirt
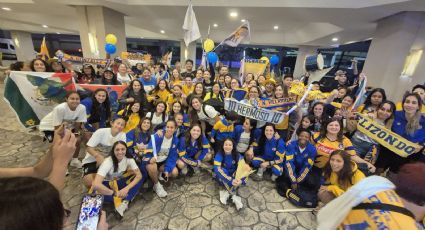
(187,90)
(325,147)
(162,94)
(379,219)
(132,123)
(337,189)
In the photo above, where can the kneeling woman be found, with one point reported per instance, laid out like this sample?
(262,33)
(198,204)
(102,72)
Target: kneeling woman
(269,153)
(225,165)
(340,173)
(193,149)
(118,178)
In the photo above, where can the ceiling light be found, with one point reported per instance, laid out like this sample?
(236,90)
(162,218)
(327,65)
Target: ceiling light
(58,32)
(142,37)
(45,26)
(243,20)
(6,8)
(162,32)
(275,27)
(233,14)
(334,39)
(215,25)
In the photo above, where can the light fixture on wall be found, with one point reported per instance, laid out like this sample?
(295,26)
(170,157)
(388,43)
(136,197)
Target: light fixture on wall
(412,61)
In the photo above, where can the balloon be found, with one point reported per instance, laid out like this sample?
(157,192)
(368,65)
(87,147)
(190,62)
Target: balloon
(265,59)
(208,45)
(110,48)
(111,39)
(274,60)
(212,57)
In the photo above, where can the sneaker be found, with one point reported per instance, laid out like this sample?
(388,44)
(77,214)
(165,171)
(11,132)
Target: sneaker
(274,177)
(224,196)
(76,163)
(259,175)
(196,170)
(159,190)
(122,208)
(184,171)
(237,201)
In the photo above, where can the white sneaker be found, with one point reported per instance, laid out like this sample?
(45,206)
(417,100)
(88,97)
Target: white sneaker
(260,172)
(237,201)
(184,171)
(122,208)
(274,177)
(159,190)
(224,196)
(76,163)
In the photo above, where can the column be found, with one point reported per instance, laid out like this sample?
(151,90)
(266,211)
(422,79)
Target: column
(303,52)
(95,22)
(187,53)
(395,37)
(23,45)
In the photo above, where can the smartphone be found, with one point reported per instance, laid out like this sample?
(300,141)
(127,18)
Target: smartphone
(91,207)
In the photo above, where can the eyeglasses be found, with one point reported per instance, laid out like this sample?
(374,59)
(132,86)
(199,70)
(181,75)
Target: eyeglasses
(67,212)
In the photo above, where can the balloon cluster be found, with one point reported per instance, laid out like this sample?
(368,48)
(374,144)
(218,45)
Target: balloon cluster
(274,59)
(208,47)
(110,47)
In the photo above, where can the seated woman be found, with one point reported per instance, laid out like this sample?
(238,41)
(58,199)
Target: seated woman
(160,93)
(132,114)
(118,178)
(339,174)
(159,116)
(138,138)
(134,93)
(245,137)
(225,165)
(161,156)
(297,183)
(269,154)
(98,110)
(193,149)
(99,147)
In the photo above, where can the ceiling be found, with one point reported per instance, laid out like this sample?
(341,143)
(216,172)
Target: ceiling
(300,22)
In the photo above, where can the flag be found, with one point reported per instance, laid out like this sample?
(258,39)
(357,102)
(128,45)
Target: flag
(190,26)
(204,60)
(167,58)
(44,52)
(361,92)
(238,35)
(114,92)
(242,72)
(32,95)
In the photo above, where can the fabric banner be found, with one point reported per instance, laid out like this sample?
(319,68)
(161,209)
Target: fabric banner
(254,66)
(32,95)
(238,94)
(136,56)
(385,137)
(86,60)
(277,104)
(238,35)
(250,111)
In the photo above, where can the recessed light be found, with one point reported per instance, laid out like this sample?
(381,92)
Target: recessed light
(6,8)
(334,39)
(162,32)
(45,26)
(275,27)
(215,25)
(233,14)
(58,32)
(142,37)
(243,20)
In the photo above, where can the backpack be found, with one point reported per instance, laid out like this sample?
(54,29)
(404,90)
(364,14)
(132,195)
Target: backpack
(216,104)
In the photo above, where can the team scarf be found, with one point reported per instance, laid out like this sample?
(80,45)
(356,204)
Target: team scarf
(252,112)
(385,137)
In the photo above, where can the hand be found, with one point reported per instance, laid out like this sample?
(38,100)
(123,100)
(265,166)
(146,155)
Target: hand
(102,225)
(63,148)
(323,188)
(184,96)
(141,147)
(334,92)
(212,140)
(130,100)
(160,133)
(236,182)
(372,115)
(249,154)
(371,168)
(122,193)
(264,165)
(276,135)
(294,186)
(152,160)
(418,149)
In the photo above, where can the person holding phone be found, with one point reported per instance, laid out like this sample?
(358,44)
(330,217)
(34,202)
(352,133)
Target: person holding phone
(118,177)
(161,156)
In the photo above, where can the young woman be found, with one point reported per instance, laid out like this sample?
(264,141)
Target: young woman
(339,174)
(199,76)
(225,165)
(215,93)
(193,149)
(177,108)
(410,124)
(88,76)
(135,93)
(161,156)
(281,92)
(245,137)
(331,138)
(98,110)
(307,122)
(108,78)
(227,81)
(208,83)
(159,116)
(177,95)
(206,114)
(199,92)
(39,65)
(133,113)
(160,93)
(99,147)
(188,86)
(122,75)
(373,100)
(175,78)
(182,123)
(118,178)
(138,138)
(319,115)
(269,154)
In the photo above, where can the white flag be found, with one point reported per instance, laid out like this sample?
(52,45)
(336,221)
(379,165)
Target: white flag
(238,35)
(190,26)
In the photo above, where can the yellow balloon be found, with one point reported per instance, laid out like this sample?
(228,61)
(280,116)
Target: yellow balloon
(265,59)
(111,39)
(208,45)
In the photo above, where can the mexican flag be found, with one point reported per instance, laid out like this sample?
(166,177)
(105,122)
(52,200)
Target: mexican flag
(32,95)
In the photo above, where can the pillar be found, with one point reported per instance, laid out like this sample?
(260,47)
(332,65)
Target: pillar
(303,52)
(188,53)
(23,45)
(95,22)
(395,37)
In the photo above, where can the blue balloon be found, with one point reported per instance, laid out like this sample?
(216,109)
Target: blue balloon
(212,57)
(110,48)
(274,60)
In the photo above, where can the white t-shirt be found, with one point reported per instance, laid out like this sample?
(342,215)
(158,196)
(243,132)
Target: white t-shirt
(123,79)
(156,120)
(106,169)
(62,113)
(102,140)
(165,149)
(211,114)
(243,143)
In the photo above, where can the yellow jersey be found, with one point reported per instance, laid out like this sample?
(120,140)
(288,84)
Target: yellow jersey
(325,147)
(338,189)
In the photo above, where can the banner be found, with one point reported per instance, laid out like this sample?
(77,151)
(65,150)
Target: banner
(254,66)
(238,35)
(32,95)
(238,94)
(250,111)
(86,60)
(385,137)
(136,56)
(277,104)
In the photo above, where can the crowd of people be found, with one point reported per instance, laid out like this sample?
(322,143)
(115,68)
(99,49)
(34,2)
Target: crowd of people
(171,122)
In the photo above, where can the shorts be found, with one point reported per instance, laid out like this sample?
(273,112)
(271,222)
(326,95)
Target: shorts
(160,164)
(90,168)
